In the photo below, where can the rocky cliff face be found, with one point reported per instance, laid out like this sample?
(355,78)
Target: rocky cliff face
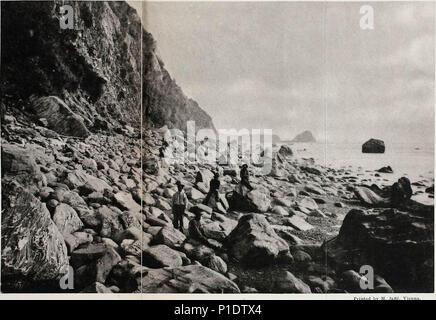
(95,68)
(164,101)
(71,149)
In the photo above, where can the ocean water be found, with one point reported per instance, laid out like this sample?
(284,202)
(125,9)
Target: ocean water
(412,161)
(407,160)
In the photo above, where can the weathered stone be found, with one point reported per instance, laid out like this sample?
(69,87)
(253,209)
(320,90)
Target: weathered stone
(159,256)
(126,201)
(87,254)
(285,151)
(32,245)
(299,223)
(260,200)
(89,164)
(307,203)
(110,222)
(280,211)
(215,263)
(254,241)
(169,236)
(395,243)
(286,282)
(80,179)
(312,188)
(59,116)
(373,146)
(163,205)
(187,279)
(325,283)
(194,194)
(66,219)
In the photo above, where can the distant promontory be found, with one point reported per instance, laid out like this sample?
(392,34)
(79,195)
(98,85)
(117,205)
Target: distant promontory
(305,136)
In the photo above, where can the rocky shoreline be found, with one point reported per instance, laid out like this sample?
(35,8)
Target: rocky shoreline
(77,202)
(86,204)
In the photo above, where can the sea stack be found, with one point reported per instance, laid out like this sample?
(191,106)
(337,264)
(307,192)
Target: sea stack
(305,136)
(373,146)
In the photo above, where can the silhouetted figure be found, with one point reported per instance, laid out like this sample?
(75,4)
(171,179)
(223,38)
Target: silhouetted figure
(179,202)
(214,186)
(245,177)
(198,177)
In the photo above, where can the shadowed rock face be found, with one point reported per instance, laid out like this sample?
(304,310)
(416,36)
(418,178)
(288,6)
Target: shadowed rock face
(59,116)
(398,245)
(32,245)
(373,146)
(163,100)
(94,69)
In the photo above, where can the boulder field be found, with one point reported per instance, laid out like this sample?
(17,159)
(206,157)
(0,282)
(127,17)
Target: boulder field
(76,202)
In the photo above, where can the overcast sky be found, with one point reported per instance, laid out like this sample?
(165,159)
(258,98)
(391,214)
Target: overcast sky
(294,66)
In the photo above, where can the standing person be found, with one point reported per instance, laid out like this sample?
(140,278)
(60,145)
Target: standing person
(245,177)
(162,156)
(164,143)
(214,187)
(179,202)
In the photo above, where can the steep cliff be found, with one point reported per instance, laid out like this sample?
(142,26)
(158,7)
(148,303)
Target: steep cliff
(95,67)
(164,101)
(71,153)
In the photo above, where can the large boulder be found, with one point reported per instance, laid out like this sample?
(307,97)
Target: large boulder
(259,200)
(396,195)
(285,151)
(169,236)
(369,197)
(253,201)
(373,146)
(93,263)
(32,246)
(286,282)
(255,242)
(86,183)
(59,116)
(21,164)
(66,219)
(398,245)
(186,279)
(110,221)
(126,201)
(17,160)
(160,255)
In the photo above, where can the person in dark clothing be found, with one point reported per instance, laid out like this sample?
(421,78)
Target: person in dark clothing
(162,152)
(179,203)
(245,177)
(195,229)
(198,178)
(164,143)
(213,189)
